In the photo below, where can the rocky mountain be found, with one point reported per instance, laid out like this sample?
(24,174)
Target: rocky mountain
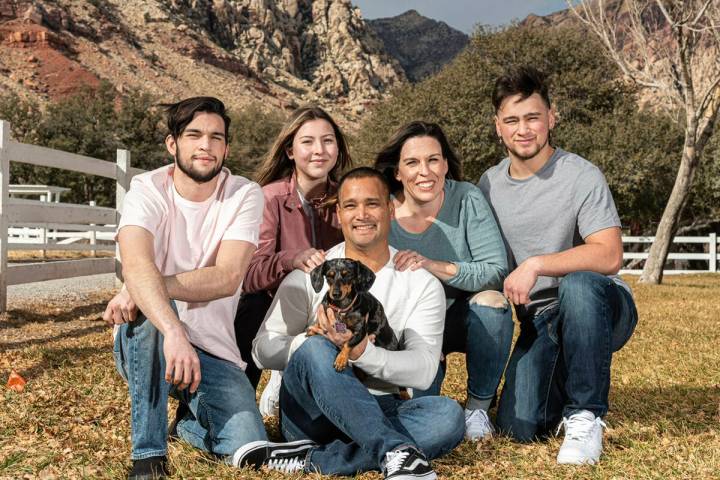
(277,52)
(421,45)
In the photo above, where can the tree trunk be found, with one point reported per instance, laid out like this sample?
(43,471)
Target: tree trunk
(653,269)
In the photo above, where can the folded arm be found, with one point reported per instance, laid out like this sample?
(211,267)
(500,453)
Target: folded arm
(147,287)
(416,364)
(602,252)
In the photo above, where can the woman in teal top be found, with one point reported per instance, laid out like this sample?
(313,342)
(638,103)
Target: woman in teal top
(446,226)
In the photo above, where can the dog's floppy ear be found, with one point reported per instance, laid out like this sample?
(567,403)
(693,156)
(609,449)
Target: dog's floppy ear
(317,277)
(365,277)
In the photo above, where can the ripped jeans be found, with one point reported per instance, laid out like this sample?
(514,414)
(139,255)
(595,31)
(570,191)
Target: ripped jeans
(481,326)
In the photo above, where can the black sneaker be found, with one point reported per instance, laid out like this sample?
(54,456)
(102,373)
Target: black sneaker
(288,457)
(407,464)
(151,468)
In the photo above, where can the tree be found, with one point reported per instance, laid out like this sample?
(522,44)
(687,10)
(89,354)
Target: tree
(683,71)
(599,117)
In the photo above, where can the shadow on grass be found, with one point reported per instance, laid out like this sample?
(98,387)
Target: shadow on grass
(57,359)
(677,408)
(19,317)
(67,334)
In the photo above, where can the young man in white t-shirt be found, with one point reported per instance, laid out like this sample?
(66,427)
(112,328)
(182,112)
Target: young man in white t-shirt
(358,426)
(186,236)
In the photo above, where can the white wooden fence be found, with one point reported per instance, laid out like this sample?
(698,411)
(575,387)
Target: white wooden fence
(709,253)
(60,216)
(22,219)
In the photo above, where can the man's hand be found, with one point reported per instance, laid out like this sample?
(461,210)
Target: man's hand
(308,259)
(326,320)
(182,362)
(121,309)
(518,284)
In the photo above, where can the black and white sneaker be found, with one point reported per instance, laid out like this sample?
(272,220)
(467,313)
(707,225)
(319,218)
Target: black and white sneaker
(407,464)
(288,457)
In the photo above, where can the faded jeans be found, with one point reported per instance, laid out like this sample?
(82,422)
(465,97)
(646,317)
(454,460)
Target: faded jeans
(354,428)
(222,413)
(484,334)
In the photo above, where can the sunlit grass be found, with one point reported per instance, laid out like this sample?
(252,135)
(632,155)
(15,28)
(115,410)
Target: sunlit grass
(72,419)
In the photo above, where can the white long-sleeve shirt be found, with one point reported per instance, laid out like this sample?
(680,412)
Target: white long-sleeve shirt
(414,303)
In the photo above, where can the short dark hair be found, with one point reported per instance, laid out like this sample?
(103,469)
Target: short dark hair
(388,158)
(364,172)
(180,114)
(523,80)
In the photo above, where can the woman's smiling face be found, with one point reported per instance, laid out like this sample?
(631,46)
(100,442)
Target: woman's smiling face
(422,169)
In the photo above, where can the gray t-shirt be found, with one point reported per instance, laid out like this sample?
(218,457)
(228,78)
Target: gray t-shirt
(549,212)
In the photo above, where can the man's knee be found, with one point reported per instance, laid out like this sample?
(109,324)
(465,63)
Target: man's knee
(446,420)
(489,298)
(582,284)
(317,352)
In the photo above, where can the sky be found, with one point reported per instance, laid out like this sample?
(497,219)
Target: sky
(462,14)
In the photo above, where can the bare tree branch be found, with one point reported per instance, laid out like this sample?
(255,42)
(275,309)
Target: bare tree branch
(681,69)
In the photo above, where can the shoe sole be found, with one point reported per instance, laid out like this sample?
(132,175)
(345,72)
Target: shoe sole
(427,476)
(576,461)
(242,453)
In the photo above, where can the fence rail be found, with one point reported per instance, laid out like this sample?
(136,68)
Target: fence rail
(37,225)
(709,255)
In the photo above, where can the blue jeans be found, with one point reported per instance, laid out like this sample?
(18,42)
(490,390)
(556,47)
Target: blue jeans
(561,361)
(354,428)
(222,413)
(484,334)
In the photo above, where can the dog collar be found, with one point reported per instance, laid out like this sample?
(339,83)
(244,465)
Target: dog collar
(343,310)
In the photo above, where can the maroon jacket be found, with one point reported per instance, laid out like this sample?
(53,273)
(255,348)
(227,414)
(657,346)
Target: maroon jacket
(285,232)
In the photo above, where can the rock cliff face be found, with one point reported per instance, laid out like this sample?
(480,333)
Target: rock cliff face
(421,45)
(279,52)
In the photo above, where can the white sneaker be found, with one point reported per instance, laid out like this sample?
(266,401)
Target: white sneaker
(270,398)
(583,439)
(478,425)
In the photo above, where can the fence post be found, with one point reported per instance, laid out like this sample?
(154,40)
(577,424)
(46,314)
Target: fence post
(4,197)
(93,235)
(123,185)
(713,253)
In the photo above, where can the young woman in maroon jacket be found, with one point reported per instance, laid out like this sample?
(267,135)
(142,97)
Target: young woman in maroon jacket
(297,176)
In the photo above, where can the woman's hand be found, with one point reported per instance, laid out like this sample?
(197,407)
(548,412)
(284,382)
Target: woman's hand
(411,259)
(308,259)
(405,259)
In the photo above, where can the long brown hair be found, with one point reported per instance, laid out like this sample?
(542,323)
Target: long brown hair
(277,164)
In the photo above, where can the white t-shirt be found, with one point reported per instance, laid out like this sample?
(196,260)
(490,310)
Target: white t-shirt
(187,236)
(414,303)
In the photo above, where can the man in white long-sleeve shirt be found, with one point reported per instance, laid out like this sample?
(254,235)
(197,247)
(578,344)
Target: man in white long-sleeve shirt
(358,426)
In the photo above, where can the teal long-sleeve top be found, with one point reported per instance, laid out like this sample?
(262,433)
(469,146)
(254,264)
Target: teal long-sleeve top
(465,233)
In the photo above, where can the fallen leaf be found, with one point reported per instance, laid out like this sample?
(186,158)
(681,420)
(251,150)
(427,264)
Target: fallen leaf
(16,382)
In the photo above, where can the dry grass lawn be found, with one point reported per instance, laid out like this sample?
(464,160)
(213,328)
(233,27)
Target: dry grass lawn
(72,419)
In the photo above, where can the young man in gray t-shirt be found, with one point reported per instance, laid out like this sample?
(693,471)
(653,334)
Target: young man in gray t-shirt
(562,230)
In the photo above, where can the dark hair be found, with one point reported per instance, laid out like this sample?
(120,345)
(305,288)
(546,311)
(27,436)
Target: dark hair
(180,114)
(523,80)
(277,164)
(365,172)
(389,156)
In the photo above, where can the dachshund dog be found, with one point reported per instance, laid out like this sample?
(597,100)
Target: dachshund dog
(355,308)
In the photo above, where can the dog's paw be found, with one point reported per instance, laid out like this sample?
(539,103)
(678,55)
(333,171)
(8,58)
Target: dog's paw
(341,362)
